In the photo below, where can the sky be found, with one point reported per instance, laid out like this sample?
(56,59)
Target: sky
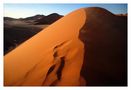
(26,10)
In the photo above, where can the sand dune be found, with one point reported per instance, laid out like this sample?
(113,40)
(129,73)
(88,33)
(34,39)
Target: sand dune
(55,56)
(29,63)
(49,19)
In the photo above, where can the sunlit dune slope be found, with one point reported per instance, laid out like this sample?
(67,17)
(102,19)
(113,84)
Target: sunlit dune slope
(85,47)
(52,57)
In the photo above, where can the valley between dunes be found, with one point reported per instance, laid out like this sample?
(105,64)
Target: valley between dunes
(85,47)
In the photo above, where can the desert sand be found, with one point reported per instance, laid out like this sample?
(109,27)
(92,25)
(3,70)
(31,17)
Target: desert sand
(85,47)
(29,63)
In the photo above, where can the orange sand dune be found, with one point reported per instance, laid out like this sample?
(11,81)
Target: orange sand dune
(29,63)
(86,47)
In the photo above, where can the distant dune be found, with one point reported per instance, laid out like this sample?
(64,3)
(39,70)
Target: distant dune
(86,47)
(16,31)
(49,19)
(36,17)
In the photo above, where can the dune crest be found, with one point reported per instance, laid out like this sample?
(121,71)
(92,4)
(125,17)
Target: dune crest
(52,57)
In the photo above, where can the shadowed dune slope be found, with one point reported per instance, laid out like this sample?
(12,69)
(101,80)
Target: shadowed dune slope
(105,38)
(86,47)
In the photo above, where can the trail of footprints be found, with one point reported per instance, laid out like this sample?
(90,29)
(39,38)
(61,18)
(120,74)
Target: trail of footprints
(57,67)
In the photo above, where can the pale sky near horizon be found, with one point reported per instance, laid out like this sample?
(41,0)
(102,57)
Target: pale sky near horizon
(26,10)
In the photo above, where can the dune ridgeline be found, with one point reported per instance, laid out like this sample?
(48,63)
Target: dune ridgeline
(86,47)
